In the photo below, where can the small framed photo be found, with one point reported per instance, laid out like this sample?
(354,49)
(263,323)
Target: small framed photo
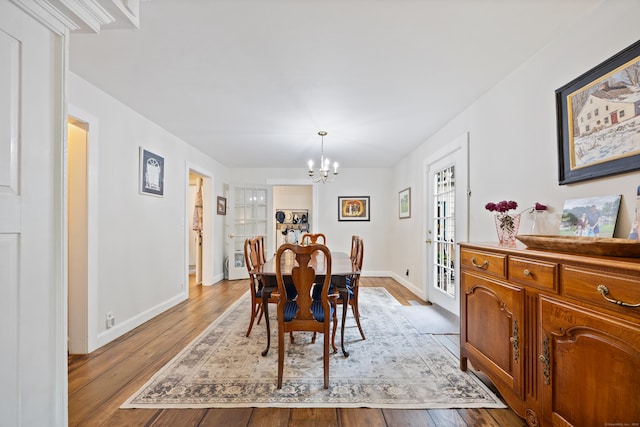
(590,216)
(151,173)
(222,205)
(404,203)
(353,208)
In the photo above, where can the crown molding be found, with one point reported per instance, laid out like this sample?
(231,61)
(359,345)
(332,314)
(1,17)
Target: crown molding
(86,16)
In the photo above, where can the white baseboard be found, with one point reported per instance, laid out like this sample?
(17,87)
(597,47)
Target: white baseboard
(410,286)
(122,328)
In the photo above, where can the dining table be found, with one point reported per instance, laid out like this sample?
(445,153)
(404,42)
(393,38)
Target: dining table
(342,267)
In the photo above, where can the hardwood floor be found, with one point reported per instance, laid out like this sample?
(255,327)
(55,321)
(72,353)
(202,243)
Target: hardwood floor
(101,381)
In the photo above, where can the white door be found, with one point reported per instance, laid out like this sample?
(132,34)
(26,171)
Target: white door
(33,383)
(446,222)
(248,215)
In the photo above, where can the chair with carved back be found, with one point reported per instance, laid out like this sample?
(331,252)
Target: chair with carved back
(304,313)
(253,258)
(354,247)
(261,250)
(357,255)
(313,238)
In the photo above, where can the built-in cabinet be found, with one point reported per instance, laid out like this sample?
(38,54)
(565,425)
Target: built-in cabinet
(557,333)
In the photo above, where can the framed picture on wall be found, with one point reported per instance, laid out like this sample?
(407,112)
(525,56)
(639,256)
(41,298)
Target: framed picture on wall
(404,203)
(598,117)
(151,173)
(353,208)
(222,205)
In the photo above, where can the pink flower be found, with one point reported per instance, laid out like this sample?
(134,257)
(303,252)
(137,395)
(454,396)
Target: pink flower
(501,207)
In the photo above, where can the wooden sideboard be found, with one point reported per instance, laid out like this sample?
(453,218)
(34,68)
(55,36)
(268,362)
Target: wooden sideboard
(557,333)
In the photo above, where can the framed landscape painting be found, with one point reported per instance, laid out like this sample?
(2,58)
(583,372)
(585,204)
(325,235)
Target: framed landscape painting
(353,208)
(404,203)
(590,216)
(598,118)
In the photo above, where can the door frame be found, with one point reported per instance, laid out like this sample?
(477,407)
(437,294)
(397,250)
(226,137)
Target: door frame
(457,149)
(315,225)
(86,310)
(207,225)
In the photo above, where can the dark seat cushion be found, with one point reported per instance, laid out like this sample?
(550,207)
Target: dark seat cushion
(291,309)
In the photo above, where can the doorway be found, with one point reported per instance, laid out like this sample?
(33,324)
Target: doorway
(199,230)
(197,227)
(77,235)
(82,201)
(446,223)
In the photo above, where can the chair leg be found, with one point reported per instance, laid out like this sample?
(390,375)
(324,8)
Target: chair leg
(356,315)
(335,327)
(254,310)
(291,337)
(259,315)
(280,357)
(326,357)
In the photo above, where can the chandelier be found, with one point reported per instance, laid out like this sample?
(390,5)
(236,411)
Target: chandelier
(323,171)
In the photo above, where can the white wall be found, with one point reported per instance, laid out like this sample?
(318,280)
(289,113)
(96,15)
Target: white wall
(513,144)
(375,183)
(141,239)
(512,156)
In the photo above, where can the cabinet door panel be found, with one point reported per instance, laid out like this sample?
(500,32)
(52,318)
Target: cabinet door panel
(493,328)
(590,366)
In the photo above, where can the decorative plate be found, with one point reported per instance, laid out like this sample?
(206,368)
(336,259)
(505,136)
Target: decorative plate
(583,245)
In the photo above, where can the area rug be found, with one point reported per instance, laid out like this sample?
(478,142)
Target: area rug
(431,319)
(395,367)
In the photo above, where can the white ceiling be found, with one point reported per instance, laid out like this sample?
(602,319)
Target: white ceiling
(251,82)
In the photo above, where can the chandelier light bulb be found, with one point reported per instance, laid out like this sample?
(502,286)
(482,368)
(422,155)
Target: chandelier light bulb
(325,165)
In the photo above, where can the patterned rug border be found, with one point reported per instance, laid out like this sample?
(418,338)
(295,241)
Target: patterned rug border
(243,300)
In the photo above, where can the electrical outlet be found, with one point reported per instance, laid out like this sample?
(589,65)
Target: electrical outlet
(111,321)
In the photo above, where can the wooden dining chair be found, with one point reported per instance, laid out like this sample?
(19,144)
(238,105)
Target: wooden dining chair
(354,247)
(357,255)
(313,238)
(304,313)
(261,250)
(253,258)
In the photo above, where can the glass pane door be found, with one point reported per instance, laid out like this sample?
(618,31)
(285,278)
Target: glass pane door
(444,230)
(248,216)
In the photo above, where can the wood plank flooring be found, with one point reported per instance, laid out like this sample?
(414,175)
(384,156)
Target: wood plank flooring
(99,382)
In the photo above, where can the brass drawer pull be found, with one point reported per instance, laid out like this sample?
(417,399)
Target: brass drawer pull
(485,264)
(527,273)
(603,290)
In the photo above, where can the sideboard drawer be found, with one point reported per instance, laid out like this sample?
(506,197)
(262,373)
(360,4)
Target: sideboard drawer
(489,263)
(533,272)
(594,287)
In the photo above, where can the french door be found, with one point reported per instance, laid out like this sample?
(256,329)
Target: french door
(446,222)
(249,210)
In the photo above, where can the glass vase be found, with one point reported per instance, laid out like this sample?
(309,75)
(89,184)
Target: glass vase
(538,225)
(507,226)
